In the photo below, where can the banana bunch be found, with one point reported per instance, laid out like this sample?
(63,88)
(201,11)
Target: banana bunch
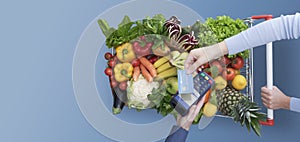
(164,68)
(177,59)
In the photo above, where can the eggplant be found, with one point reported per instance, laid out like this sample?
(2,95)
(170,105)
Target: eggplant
(119,99)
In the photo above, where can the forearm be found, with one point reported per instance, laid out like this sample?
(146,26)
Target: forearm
(284,27)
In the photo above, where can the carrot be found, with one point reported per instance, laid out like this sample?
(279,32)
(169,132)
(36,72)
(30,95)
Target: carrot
(136,73)
(145,73)
(150,67)
(207,96)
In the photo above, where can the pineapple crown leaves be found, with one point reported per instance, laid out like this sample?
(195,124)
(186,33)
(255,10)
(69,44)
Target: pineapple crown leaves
(246,113)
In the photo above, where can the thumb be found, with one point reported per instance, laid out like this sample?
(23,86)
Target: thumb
(189,61)
(193,67)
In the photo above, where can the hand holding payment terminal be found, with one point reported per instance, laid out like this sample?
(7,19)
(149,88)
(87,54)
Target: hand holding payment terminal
(191,88)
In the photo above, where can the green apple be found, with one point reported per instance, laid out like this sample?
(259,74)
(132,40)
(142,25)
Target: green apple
(172,85)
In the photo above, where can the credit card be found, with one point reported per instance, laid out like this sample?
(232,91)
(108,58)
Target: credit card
(185,82)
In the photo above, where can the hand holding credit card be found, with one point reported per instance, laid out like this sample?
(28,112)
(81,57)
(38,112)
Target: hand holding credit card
(191,88)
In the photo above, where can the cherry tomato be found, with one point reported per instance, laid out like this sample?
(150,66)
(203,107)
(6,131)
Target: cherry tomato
(237,63)
(108,56)
(229,73)
(115,58)
(135,62)
(113,83)
(111,77)
(112,63)
(123,85)
(108,71)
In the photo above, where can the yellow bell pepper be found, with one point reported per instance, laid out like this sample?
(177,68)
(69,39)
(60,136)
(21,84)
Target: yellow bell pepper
(125,52)
(123,72)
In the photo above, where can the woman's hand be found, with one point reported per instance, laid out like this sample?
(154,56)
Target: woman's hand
(200,56)
(196,58)
(274,99)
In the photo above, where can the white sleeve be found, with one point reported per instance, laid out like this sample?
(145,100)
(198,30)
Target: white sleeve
(295,104)
(283,27)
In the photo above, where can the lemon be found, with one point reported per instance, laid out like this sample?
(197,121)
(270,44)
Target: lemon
(239,82)
(209,109)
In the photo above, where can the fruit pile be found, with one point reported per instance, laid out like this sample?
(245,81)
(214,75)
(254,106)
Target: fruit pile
(226,96)
(149,52)
(226,72)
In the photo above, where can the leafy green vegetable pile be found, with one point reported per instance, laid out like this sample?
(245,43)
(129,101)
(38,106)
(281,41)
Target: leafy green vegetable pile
(161,100)
(128,30)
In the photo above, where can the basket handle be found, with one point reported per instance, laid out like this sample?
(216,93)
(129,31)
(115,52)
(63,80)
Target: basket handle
(266,17)
(269,59)
(269,62)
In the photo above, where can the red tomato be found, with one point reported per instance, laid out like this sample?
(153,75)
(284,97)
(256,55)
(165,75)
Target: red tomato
(237,63)
(218,65)
(225,60)
(108,71)
(229,73)
(135,62)
(123,85)
(108,56)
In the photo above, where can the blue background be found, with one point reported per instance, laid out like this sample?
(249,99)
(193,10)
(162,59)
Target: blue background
(38,40)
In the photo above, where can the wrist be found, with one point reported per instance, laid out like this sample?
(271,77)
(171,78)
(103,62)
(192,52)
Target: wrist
(215,51)
(287,103)
(223,48)
(186,127)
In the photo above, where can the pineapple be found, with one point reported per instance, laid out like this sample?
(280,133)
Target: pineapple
(234,104)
